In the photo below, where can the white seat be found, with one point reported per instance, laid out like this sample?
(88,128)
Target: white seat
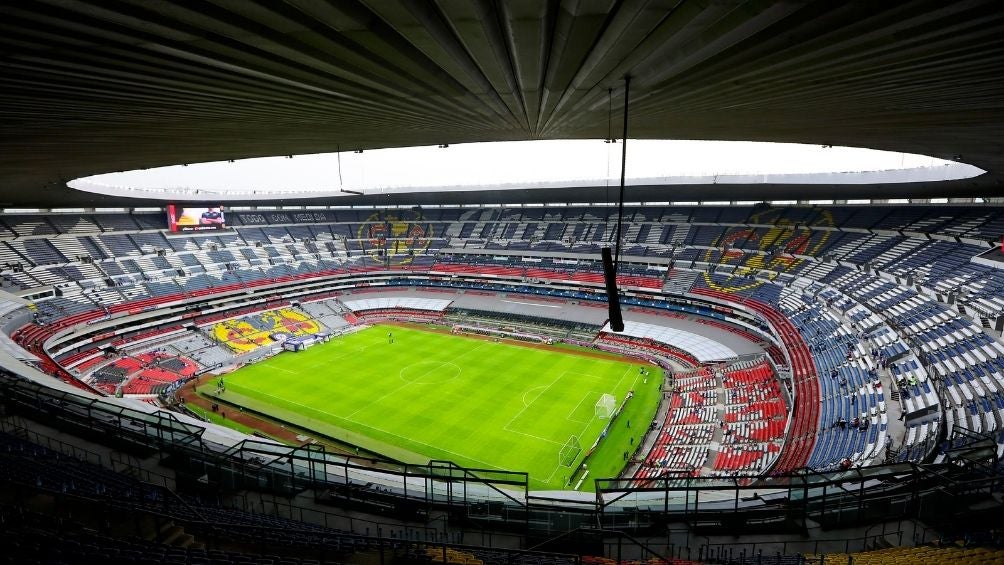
(977,388)
(909,404)
(989,351)
(954,393)
(932,398)
(969,357)
(978,354)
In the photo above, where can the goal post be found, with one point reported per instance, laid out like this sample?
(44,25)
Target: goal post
(605,407)
(569,452)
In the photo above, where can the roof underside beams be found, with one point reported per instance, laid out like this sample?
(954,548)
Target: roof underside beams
(92,87)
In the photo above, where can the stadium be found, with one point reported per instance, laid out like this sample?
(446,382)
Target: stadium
(774,367)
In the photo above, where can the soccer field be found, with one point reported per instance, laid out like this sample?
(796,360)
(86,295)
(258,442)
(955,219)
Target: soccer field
(431,395)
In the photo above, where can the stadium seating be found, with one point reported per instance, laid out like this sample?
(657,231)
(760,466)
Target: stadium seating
(130,521)
(871,281)
(681,448)
(910,555)
(250,332)
(275,242)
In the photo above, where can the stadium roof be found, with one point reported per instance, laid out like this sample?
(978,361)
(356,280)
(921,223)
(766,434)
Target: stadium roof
(94,87)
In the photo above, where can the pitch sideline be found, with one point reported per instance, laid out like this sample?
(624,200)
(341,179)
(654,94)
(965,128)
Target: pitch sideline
(335,416)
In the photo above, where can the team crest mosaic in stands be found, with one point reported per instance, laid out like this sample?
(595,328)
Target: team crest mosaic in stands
(396,236)
(772,243)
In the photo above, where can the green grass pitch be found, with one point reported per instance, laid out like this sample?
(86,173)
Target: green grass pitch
(431,395)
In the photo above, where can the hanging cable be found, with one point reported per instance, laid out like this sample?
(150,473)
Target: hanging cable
(609,139)
(616,319)
(338,149)
(610,115)
(341,187)
(620,205)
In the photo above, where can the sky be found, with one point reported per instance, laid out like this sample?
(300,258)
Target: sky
(520,162)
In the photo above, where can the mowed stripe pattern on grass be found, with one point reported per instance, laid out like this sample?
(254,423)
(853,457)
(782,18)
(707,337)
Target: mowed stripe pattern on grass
(476,402)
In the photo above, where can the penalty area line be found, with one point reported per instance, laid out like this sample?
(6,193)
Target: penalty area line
(585,396)
(525,406)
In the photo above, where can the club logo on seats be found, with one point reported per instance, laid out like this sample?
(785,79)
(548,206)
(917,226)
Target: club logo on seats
(396,237)
(772,244)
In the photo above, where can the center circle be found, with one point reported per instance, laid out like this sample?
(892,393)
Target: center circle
(430,372)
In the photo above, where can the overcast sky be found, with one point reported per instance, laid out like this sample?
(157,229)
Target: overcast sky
(475,164)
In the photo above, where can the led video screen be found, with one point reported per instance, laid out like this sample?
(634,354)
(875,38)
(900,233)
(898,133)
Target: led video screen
(190,218)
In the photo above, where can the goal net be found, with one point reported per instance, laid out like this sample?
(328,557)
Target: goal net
(569,451)
(605,406)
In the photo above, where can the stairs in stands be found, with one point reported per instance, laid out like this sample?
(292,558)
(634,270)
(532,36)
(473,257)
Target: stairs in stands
(898,252)
(632,233)
(679,282)
(169,533)
(680,234)
(818,269)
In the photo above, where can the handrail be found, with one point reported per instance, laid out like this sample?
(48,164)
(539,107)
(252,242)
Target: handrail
(705,549)
(601,531)
(63,447)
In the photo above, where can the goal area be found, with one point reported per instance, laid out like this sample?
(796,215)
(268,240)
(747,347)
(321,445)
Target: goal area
(569,452)
(605,407)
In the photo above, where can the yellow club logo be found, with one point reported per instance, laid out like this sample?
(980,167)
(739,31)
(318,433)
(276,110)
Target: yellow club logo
(777,248)
(396,237)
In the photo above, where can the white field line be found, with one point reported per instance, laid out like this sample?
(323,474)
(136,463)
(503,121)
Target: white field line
(270,366)
(525,406)
(400,373)
(398,389)
(407,439)
(535,437)
(528,391)
(569,417)
(583,375)
(584,428)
